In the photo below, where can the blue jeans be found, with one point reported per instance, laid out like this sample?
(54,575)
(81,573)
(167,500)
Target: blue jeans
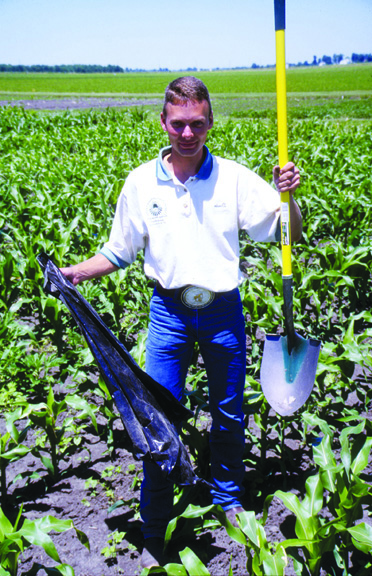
(219,330)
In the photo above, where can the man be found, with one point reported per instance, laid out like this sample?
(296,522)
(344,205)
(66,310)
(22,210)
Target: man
(185,210)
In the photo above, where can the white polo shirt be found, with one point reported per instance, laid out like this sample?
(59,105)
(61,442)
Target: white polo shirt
(190,231)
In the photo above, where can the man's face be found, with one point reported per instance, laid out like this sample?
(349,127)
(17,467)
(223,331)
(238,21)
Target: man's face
(187,126)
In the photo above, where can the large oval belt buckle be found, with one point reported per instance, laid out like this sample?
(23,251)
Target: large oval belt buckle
(194,297)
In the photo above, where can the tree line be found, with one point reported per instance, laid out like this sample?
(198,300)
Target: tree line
(335,59)
(114,69)
(65,68)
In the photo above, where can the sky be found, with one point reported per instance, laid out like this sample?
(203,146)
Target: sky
(202,34)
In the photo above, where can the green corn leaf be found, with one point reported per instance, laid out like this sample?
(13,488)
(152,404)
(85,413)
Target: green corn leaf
(345,454)
(361,460)
(193,511)
(82,537)
(297,543)
(255,566)
(266,506)
(64,569)
(138,352)
(362,537)
(253,530)
(48,523)
(5,524)
(275,564)
(10,426)
(313,501)
(33,532)
(193,565)
(360,489)
(345,446)
(324,457)
(314,420)
(306,525)
(78,403)
(15,453)
(190,512)
(234,532)
(169,569)
(47,463)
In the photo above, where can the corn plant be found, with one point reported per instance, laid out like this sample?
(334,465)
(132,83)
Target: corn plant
(14,340)
(191,566)
(339,490)
(11,447)
(108,410)
(16,538)
(262,557)
(45,415)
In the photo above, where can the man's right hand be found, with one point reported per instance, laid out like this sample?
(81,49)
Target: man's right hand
(71,274)
(95,267)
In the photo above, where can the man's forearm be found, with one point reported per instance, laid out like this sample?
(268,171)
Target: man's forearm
(94,267)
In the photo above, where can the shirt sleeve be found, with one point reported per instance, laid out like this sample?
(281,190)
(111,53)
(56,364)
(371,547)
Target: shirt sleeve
(259,207)
(128,233)
(113,258)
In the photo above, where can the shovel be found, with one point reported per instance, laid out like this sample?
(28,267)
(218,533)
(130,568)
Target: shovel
(289,362)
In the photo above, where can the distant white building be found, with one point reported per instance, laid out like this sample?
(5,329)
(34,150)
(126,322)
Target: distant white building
(345,61)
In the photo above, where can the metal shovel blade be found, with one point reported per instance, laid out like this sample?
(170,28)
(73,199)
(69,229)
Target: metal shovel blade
(287,379)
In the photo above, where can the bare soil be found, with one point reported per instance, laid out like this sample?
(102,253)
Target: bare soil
(79,103)
(74,496)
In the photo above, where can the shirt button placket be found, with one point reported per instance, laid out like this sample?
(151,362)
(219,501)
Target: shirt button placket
(186,202)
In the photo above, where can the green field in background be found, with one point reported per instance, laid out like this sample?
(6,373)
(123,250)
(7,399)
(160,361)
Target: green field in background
(351,78)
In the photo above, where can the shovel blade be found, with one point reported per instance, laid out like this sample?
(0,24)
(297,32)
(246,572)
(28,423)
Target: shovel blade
(288,379)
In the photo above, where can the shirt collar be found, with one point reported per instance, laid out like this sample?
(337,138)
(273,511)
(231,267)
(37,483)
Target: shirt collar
(164,174)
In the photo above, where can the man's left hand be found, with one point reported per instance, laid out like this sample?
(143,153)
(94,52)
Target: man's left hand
(286,179)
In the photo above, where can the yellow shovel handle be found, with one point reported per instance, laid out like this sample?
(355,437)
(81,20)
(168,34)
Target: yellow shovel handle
(281,94)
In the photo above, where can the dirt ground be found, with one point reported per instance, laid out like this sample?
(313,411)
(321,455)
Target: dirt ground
(86,490)
(76,497)
(79,103)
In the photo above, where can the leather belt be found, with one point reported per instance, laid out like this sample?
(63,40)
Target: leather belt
(191,296)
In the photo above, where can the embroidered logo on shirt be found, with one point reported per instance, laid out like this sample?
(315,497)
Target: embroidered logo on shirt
(156,210)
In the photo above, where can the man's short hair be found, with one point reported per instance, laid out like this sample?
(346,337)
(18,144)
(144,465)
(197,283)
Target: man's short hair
(186,89)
